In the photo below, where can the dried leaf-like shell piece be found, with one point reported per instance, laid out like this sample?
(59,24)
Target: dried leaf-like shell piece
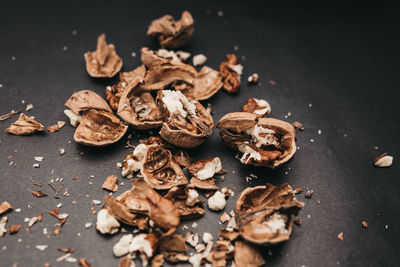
(160,170)
(99,128)
(152,58)
(187,123)
(171,33)
(24,125)
(86,99)
(263,141)
(265,214)
(247,255)
(231,72)
(139,109)
(104,62)
(126,80)
(260,107)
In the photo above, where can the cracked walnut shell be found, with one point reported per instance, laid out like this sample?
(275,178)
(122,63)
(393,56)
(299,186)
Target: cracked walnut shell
(171,33)
(187,123)
(231,72)
(262,141)
(265,214)
(24,125)
(104,62)
(86,99)
(99,128)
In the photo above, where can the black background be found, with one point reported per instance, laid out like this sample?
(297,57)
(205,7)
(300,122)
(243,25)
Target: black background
(341,58)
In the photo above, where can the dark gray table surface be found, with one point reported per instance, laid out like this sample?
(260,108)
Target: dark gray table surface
(336,68)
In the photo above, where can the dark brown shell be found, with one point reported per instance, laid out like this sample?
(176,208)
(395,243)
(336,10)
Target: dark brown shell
(256,204)
(133,103)
(99,128)
(178,196)
(86,99)
(160,170)
(24,125)
(187,132)
(171,33)
(233,125)
(230,78)
(104,62)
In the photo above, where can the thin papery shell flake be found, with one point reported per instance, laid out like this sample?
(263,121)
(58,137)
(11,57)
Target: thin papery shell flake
(99,128)
(104,62)
(256,207)
(171,33)
(86,99)
(235,130)
(24,125)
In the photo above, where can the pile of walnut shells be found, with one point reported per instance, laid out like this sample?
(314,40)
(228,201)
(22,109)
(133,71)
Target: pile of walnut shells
(164,93)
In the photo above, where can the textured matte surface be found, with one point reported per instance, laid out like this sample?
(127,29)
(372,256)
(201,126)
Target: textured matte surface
(342,59)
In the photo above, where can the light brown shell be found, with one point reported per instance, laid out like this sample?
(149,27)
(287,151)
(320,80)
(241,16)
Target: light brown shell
(104,62)
(171,33)
(247,255)
(24,125)
(183,77)
(208,184)
(86,99)
(131,100)
(150,59)
(178,196)
(233,125)
(160,170)
(255,204)
(176,132)
(126,80)
(99,128)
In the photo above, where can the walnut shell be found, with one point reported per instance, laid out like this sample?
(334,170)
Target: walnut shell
(24,125)
(187,131)
(263,141)
(160,170)
(104,62)
(178,196)
(139,109)
(183,77)
(171,33)
(86,99)
(99,128)
(231,78)
(126,80)
(256,209)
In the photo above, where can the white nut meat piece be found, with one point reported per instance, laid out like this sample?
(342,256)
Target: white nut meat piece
(277,223)
(3,222)
(265,107)
(192,197)
(106,223)
(210,169)
(74,119)
(176,102)
(199,59)
(133,165)
(384,161)
(122,247)
(217,201)
(140,243)
(207,237)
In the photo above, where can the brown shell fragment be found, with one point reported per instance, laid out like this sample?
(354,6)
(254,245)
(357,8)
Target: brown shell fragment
(99,128)
(85,100)
(179,196)
(24,125)
(247,255)
(263,141)
(125,262)
(83,263)
(139,109)
(208,184)
(265,214)
(13,229)
(39,194)
(126,80)
(183,77)
(171,33)
(4,207)
(259,107)
(104,62)
(187,124)
(110,183)
(182,158)
(162,211)
(160,170)
(172,244)
(231,78)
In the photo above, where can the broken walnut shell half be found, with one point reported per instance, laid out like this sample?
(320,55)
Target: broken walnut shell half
(187,123)
(86,99)
(160,170)
(24,125)
(126,80)
(104,62)
(171,33)
(263,141)
(265,214)
(99,128)
(139,109)
(185,78)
